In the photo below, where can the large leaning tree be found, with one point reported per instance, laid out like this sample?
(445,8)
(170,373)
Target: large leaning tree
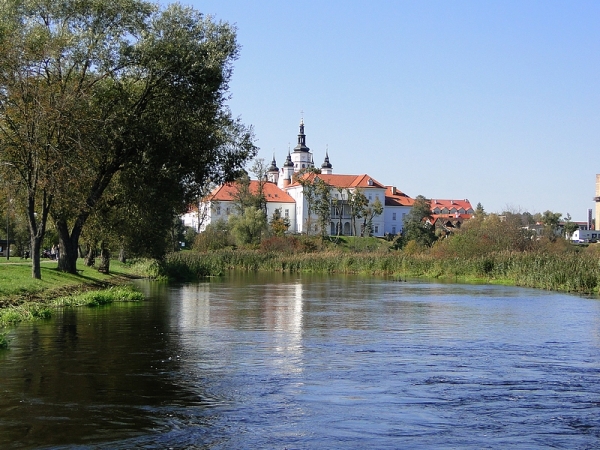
(95,93)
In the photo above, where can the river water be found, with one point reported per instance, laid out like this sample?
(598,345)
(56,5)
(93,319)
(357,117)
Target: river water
(302,362)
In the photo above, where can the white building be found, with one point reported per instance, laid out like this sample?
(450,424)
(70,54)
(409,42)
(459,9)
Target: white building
(219,205)
(285,191)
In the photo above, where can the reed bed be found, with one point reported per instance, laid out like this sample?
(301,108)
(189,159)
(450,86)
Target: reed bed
(569,272)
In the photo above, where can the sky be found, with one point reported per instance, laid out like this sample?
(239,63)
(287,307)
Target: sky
(497,102)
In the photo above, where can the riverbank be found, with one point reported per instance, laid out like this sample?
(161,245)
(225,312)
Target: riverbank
(576,272)
(23,298)
(17,286)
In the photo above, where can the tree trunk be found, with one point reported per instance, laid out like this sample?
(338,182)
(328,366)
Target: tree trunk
(37,230)
(36,271)
(68,248)
(104,266)
(90,258)
(122,257)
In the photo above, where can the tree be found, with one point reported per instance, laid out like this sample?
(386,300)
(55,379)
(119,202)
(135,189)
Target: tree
(337,206)
(244,196)
(569,226)
(376,209)
(247,228)
(279,224)
(551,222)
(479,211)
(322,204)
(416,225)
(305,178)
(357,202)
(111,87)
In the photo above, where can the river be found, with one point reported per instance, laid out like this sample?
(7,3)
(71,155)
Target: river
(304,362)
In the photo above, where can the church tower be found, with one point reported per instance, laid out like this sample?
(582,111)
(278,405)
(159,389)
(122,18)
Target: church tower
(286,172)
(326,167)
(273,172)
(302,157)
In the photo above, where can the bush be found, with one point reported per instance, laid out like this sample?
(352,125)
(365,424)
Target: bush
(216,236)
(281,244)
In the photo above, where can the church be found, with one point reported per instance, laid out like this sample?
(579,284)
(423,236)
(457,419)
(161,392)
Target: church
(284,192)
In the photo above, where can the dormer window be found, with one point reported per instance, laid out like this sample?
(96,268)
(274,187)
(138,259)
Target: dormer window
(370,182)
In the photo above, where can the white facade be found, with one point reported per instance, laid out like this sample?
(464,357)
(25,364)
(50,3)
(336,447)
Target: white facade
(285,193)
(584,236)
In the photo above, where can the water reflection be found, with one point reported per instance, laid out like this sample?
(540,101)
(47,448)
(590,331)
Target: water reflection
(284,361)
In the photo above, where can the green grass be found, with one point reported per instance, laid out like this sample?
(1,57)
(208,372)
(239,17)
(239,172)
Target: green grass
(99,298)
(16,281)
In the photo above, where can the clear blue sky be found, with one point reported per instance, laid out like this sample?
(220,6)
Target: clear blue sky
(494,101)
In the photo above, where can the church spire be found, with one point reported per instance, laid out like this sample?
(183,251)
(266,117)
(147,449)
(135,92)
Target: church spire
(301,147)
(326,167)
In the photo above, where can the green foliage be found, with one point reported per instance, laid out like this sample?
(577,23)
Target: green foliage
(569,227)
(357,202)
(216,236)
(279,225)
(13,315)
(3,341)
(101,297)
(563,271)
(322,204)
(128,103)
(376,209)
(248,228)
(416,226)
(481,236)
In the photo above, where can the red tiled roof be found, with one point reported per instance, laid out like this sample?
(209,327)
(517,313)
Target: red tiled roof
(437,203)
(395,197)
(226,192)
(343,181)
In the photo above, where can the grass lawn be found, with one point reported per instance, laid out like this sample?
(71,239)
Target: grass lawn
(16,281)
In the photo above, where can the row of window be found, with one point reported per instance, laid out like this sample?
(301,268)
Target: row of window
(228,211)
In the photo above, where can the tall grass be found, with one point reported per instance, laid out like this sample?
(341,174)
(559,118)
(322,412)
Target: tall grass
(570,271)
(14,314)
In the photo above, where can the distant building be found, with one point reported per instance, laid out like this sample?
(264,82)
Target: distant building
(285,191)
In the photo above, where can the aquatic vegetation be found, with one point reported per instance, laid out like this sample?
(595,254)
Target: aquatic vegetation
(568,271)
(27,311)
(101,297)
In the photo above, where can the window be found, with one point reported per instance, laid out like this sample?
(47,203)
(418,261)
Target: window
(376,228)
(393,230)
(227,211)
(394,218)
(218,210)
(287,213)
(370,197)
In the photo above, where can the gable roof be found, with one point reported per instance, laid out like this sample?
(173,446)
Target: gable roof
(342,181)
(395,197)
(437,203)
(227,191)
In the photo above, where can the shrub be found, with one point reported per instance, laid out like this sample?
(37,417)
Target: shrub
(215,237)
(281,244)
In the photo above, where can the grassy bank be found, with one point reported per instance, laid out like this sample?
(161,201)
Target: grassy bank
(23,298)
(567,272)
(17,285)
